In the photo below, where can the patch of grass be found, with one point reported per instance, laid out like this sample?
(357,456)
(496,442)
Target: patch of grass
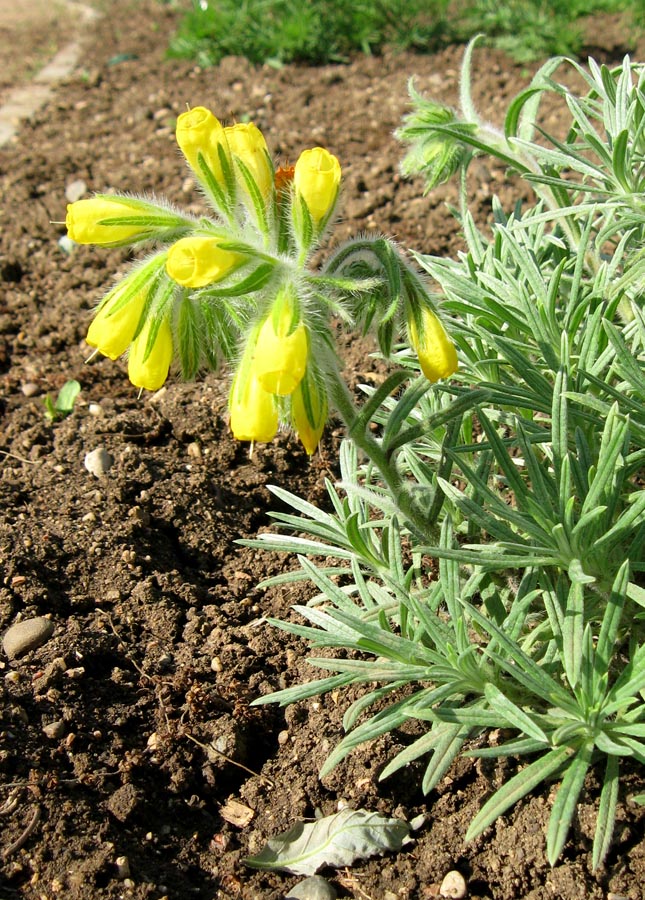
(533,29)
(321,31)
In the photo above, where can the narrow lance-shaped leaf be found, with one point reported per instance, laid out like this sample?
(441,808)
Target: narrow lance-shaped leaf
(565,802)
(516,716)
(572,631)
(520,785)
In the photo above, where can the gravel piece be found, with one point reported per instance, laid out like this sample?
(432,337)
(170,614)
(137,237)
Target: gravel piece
(75,190)
(453,885)
(55,730)
(98,461)
(27,635)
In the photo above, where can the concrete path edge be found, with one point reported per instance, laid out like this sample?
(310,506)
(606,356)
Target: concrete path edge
(25,100)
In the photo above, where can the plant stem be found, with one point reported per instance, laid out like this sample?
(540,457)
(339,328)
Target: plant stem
(342,400)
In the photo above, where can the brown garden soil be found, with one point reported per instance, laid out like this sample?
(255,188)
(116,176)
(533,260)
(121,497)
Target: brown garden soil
(130,731)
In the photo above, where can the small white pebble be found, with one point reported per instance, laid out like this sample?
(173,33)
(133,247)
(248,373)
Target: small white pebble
(66,244)
(453,886)
(98,461)
(75,190)
(122,867)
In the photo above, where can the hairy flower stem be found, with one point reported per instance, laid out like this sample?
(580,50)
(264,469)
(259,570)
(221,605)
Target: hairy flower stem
(341,398)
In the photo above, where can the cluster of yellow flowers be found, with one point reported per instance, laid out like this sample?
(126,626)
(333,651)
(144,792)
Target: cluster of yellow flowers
(276,365)
(141,314)
(213,284)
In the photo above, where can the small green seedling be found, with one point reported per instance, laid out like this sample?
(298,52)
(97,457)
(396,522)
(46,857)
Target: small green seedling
(64,404)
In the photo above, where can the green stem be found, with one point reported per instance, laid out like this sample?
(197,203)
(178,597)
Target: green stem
(342,400)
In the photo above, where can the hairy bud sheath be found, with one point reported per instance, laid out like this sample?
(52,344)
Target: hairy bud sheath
(281,349)
(199,132)
(436,352)
(198,260)
(108,220)
(253,411)
(111,331)
(247,142)
(316,179)
(309,412)
(149,370)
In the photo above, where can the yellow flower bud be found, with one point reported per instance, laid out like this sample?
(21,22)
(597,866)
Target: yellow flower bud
(281,350)
(436,352)
(309,412)
(317,180)
(150,372)
(112,332)
(246,141)
(198,131)
(197,261)
(254,414)
(110,220)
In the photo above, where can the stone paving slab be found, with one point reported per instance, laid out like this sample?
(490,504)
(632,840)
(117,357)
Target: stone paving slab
(22,26)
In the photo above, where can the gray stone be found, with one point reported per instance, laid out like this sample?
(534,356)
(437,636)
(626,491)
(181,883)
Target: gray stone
(98,461)
(314,888)
(26,635)
(55,730)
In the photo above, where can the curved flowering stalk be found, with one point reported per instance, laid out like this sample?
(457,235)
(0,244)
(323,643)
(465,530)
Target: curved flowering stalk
(235,286)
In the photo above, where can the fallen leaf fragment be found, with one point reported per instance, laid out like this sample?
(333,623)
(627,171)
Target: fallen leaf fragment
(336,840)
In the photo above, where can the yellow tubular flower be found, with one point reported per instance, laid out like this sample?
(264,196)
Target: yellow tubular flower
(309,412)
(317,180)
(198,131)
(197,261)
(112,332)
(151,373)
(437,353)
(96,220)
(254,414)
(246,141)
(280,358)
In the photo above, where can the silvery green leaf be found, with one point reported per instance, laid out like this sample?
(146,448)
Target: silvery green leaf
(336,840)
